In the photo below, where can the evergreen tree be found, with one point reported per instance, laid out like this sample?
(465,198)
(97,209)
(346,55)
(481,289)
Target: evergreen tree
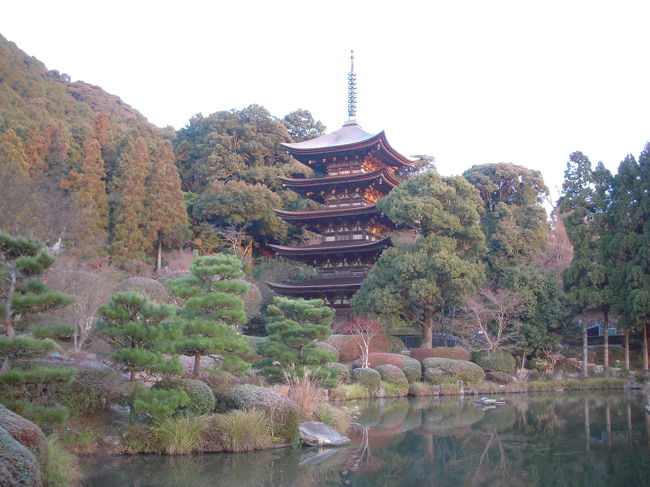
(414,286)
(631,246)
(138,330)
(129,240)
(167,215)
(213,311)
(12,153)
(301,125)
(293,327)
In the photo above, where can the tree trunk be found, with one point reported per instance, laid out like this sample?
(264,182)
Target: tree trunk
(159,256)
(645,346)
(9,326)
(132,376)
(627,349)
(428,336)
(606,343)
(197,366)
(585,347)
(585,408)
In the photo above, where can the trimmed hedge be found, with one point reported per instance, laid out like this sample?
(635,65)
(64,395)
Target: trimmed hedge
(202,399)
(446,370)
(457,353)
(411,367)
(392,374)
(495,360)
(369,378)
(342,372)
(348,349)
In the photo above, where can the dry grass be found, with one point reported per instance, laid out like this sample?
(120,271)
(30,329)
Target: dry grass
(336,417)
(181,435)
(243,430)
(305,392)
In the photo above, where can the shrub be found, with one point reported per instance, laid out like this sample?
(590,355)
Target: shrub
(62,469)
(348,348)
(58,331)
(341,372)
(91,390)
(446,370)
(499,377)
(449,389)
(180,435)
(201,397)
(41,415)
(137,438)
(420,389)
(495,360)
(392,374)
(336,417)
(157,403)
(457,353)
(369,378)
(243,430)
(411,367)
(394,389)
(348,392)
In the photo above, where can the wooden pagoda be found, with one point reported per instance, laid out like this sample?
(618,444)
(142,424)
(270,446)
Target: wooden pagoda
(359,169)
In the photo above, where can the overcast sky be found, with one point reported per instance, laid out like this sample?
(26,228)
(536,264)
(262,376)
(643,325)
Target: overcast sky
(468,82)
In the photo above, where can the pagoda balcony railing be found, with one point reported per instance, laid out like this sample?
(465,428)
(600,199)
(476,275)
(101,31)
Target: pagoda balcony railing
(343,273)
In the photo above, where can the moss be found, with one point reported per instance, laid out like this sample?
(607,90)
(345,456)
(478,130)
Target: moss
(369,378)
(495,360)
(201,397)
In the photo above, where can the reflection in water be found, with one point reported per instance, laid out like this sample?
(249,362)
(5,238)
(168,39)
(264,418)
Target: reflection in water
(538,440)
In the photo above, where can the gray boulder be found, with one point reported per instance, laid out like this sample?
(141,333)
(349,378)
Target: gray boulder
(314,433)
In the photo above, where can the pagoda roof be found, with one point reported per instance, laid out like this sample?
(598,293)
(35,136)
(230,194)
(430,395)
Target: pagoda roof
(337,180)
(350,137)
(317,286)
(326,248)
(326,214)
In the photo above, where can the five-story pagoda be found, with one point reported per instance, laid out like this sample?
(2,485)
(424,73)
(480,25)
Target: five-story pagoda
(359,169)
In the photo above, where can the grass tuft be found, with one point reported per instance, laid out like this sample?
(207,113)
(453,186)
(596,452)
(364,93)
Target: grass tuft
(181,435)
(336,417)
(243,430)
(62,467)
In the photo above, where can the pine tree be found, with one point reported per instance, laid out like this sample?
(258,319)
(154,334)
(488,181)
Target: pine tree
(213,311)
(293,327)
(12,153)
(165,203)
(129,241)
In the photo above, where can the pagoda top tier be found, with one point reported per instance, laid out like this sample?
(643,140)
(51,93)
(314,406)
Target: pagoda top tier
(349,139)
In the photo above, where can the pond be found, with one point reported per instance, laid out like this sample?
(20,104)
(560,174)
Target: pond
(572,439)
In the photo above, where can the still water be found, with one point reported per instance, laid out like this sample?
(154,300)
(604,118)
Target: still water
(582,439)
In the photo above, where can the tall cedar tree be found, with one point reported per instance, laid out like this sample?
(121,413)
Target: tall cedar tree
(137,329)
(90,188)
(293,327)
(129,239)
(213,311)
(585,280)
(165,203)
(631,245)
(12,153)
(414,286)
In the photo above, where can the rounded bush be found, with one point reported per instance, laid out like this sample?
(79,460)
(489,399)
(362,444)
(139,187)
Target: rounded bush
(499,377)
(326,347)
(369,378)
(457,353)
(420,389)
(495,360)
(391,373)
(411,367)
(202,399)
(342,372)
(18,465)
(440,370)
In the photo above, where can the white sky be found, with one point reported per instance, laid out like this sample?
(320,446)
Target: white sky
(468,82)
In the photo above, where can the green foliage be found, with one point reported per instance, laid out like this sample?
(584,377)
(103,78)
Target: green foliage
(495,360)
(368,378)
(336,417)
(413,287)
(39,374)
(62,468)
(213,311)
(301,125)
(348,392)
(396,389)
(243,430)
(446,370)
(293,327)
(24,347)
(158,404)
(201,397)
(181,435)
(137,330)
(513,219)
(59,331)
(41,415)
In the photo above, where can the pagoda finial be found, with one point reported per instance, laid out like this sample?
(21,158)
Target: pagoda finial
(352,90)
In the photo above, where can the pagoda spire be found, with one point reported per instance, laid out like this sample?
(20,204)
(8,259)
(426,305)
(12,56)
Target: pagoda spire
(352,90)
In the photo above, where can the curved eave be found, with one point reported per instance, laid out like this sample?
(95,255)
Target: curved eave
(319,147)
(313,183)
(332,249)
(312,215)
(315,287)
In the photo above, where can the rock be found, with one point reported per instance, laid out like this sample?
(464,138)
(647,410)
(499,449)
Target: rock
(314,433)
(411,367)
(369,378)
(391,373)
(18,466)
(457,353)
(24,432)
(446,370)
